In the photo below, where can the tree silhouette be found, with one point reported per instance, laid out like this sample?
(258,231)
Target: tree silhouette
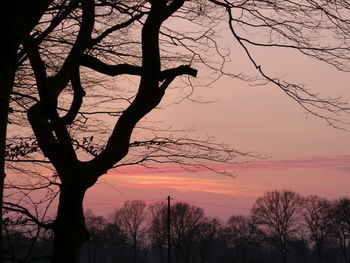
(95,226)
(132,219)
(186,222)
(24,17)
(206,239)
(53,125)
(277,215)
(157,229)
(241,234)
(315,212)
(340,225)
(93,42)
(195,237)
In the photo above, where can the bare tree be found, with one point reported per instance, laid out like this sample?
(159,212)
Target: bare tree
(24,16)
(98,41)
(95,225)
(157,229)
(192,233)
(132,219)
(54,125)
(315,212)
(277,215)
(206,239)
(340,223)
(241,234)
(54,138)
(186,220)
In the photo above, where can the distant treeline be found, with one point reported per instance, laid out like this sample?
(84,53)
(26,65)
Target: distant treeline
(282,226)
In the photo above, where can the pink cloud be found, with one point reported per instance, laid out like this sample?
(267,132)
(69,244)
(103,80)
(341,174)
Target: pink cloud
(330,163)
(159,169)
(181,182)
(327,163)
(253,180)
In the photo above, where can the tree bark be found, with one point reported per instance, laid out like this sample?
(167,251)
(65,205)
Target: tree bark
(69,227)
(7,69)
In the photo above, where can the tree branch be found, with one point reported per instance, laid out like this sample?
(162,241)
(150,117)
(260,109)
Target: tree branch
(147,97)
(115,28)
(120,69)
(81,43)
(110,70)
(78,96)
(20,209)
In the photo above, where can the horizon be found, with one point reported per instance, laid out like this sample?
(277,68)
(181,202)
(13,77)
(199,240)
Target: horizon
(235,195)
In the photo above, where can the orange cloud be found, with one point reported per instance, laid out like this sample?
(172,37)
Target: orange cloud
(321,175)
(253,178)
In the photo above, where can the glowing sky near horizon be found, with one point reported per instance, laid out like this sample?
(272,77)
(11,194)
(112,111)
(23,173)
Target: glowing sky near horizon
(326,176)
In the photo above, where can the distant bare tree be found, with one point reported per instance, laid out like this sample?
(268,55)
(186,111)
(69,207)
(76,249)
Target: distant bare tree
(241,234)
(157,229)
(315,213)
(192,233)
(206,238)
(96,226)
(277,215)
(131,218)
(340,223)
(186,222)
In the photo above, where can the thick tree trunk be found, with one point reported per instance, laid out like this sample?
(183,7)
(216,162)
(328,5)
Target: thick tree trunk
(70,232)
(7,71)
(4,104)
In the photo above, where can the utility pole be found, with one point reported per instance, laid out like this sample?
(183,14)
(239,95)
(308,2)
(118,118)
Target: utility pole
(169,234)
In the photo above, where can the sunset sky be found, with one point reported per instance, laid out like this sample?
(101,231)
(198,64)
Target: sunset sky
(302,153)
